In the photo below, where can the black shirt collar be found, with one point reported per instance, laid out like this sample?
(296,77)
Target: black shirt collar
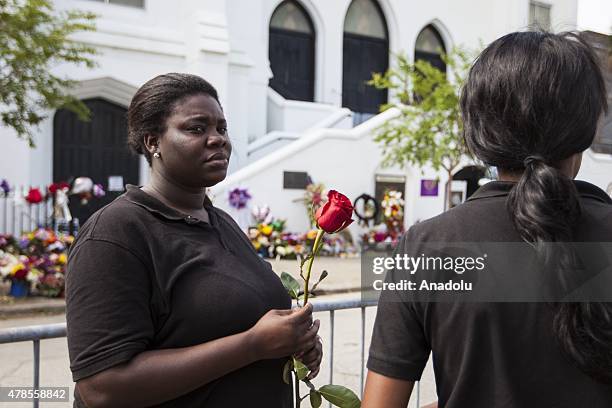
(502,188)
(135,195)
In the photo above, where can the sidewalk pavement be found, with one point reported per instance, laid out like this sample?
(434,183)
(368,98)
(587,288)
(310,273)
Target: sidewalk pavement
(344,273)
(344,277)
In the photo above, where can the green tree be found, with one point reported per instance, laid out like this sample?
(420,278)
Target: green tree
(34,39)
(428,130)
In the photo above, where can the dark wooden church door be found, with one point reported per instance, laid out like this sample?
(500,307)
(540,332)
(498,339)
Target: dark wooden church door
(362,57)
(291,50)
(365,51)
(292,64)
(96,149)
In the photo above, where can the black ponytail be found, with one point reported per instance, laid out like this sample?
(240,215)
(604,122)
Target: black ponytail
(531,100)
(544,204)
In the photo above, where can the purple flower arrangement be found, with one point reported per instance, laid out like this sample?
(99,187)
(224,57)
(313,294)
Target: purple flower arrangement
(239,198)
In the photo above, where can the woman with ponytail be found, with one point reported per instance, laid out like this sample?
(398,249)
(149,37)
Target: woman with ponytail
(531,106)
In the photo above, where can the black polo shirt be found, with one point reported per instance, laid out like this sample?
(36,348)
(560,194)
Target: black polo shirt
(498,355)
(142,276)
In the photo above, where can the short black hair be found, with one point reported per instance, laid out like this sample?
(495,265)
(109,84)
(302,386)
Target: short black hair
(154,102)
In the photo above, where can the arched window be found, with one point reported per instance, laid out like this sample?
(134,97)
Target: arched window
(292,52)
(365,51)
(429,47)
(364,17)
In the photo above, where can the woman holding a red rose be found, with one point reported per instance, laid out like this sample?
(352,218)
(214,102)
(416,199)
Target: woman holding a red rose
(168,304)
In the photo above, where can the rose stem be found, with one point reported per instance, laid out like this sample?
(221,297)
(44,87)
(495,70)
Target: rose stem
(310,261)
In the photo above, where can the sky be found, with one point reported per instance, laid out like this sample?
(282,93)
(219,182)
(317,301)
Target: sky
(595,15)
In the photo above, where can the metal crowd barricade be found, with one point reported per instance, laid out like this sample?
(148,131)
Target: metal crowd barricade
(34,334)
(49,331)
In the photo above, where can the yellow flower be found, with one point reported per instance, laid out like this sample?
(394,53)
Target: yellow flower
(266,230)
(312,234)
(62,259)
(16,268)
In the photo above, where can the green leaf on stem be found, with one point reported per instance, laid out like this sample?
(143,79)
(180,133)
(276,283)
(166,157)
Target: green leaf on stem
(287,371)
(340,396)
(291,285)
(300,369)
(323,276)
(315,399)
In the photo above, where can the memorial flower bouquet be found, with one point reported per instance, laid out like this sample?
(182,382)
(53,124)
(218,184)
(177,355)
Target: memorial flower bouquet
(392,226)
(37,260)
(19,268)
(332,217)
(393,213)
(313,197)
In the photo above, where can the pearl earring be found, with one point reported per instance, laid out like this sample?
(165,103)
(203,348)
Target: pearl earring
(156,155)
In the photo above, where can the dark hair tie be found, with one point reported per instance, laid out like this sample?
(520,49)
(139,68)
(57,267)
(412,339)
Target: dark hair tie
(532,160)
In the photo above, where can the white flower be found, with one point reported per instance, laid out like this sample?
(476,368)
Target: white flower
(33,275)
(7,263)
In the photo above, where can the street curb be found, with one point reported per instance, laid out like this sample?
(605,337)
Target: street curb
(24,308)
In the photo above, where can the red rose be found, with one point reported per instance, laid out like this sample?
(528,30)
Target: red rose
(34,196)
(336,214)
